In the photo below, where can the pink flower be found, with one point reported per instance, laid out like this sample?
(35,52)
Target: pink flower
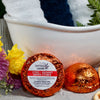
(14,80)
(4,63)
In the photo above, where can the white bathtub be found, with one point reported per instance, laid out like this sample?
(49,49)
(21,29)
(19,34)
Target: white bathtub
(69,44)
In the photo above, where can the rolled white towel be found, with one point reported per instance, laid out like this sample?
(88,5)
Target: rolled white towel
(29,10)
(80,11)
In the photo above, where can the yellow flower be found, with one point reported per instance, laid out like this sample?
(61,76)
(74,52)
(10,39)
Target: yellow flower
(1,44)
(16,66)
(16,60)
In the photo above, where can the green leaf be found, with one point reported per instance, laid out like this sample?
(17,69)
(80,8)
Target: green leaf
(79,24)
(95,17)
(5,86)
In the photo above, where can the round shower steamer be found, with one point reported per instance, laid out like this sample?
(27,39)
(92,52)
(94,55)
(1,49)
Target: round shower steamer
(42,75)
(81,78)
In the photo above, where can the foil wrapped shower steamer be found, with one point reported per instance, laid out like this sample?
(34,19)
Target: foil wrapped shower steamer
(42,75)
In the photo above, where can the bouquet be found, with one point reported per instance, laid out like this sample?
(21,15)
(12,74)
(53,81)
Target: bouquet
(10,68)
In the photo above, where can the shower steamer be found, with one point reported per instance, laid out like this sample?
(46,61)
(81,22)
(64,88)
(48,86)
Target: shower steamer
(42,75)
(81,78)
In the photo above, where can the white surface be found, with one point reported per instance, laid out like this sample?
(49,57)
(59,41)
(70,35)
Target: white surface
(29,10)
(77,44)
(61,95)
(80,11)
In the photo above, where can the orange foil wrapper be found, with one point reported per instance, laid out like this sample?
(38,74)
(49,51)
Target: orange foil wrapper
(42,75)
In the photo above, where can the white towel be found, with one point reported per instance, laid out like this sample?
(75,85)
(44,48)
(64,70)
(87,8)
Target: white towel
(29,10)
(80,11)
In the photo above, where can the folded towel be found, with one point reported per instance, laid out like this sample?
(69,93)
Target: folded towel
(29,10)
(57,12)
(80,11)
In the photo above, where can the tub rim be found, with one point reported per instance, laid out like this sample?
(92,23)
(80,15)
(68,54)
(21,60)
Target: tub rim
(54,27)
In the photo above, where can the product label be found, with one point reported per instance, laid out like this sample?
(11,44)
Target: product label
(42,74)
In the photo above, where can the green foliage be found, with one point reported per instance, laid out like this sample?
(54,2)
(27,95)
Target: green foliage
(95,6)
(2,9)
(79,24)
(5,87)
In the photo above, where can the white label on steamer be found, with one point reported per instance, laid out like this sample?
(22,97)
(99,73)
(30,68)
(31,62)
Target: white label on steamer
(42,74)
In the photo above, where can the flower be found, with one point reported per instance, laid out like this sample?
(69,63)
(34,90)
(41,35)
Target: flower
(14,80)
(1,44)
(3,62)
(16,60)
(9,66)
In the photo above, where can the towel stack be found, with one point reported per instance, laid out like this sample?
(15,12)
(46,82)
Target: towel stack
(62,12)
